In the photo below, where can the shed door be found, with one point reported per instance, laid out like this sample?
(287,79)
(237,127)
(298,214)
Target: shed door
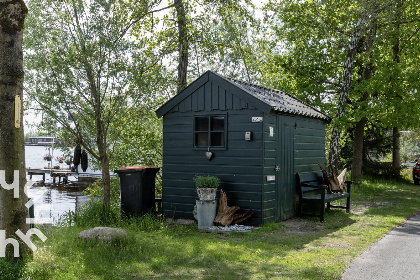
(285,167)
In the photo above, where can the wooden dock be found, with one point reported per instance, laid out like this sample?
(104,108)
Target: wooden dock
(61,174)
(32,172)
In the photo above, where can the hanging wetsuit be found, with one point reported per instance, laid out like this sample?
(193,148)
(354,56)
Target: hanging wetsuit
(84,161)
(77,154)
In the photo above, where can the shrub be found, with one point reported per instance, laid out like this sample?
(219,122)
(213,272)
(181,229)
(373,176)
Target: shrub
(206,181)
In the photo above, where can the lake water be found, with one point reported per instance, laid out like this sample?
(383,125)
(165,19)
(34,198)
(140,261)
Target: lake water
(51,201)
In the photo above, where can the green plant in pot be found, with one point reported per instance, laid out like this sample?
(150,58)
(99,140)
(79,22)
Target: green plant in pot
(207,187)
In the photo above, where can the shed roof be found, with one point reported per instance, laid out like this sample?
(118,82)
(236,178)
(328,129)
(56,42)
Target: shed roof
(264,98)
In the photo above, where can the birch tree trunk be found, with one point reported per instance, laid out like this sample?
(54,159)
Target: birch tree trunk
(13,212)
(345,89)
(182,44)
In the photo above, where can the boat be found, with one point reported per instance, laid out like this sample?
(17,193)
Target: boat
(42,141)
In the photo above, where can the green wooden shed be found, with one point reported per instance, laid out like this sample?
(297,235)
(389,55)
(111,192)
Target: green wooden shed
(253,138)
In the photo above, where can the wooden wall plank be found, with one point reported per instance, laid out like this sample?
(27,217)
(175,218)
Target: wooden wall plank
(207,97)
(222,99)
(215,96)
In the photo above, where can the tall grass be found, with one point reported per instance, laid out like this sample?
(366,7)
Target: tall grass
(12,269)
(95,213)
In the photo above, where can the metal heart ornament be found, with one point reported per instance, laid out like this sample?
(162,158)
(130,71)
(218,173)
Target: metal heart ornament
(209,155)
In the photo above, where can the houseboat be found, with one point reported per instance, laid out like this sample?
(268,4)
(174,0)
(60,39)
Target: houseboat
(42,141)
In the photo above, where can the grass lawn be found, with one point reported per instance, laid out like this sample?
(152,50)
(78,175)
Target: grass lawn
(294,249)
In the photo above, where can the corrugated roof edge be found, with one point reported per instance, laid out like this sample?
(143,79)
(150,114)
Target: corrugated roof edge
(276,91)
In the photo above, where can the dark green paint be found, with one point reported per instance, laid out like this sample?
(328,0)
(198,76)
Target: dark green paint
(297,144)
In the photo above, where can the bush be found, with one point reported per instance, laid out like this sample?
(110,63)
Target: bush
(95,191)
(379,169)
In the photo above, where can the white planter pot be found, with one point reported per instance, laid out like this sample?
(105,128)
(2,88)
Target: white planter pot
(206,193)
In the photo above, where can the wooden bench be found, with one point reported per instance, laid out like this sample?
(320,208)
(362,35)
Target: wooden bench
(313,190)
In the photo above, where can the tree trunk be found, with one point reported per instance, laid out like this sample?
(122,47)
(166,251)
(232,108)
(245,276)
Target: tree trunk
(357,163)
(182,44)
(104,159)
(106,180)
(396,165)
(13,212)
(345,89)
(395,130)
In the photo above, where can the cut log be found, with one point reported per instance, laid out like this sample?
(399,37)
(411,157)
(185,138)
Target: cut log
(337,183)
(226,215)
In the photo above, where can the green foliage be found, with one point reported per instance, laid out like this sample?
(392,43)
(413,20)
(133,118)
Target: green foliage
(315,36)
(140,144)
(410,148)
(228,40)
(95,190)
(206,181)
(92,69)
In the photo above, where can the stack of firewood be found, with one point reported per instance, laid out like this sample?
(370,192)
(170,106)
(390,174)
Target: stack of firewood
(337,183)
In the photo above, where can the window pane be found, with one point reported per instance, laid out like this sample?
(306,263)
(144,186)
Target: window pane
(201,123)
(217,139)
(218,123)
(201,139)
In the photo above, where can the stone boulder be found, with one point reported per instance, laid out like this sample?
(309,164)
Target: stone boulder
(107,234)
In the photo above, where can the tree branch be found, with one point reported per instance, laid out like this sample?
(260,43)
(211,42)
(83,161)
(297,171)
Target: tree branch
(325,27)
(140,18)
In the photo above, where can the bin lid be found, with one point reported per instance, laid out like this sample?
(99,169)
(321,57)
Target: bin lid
(134,168)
